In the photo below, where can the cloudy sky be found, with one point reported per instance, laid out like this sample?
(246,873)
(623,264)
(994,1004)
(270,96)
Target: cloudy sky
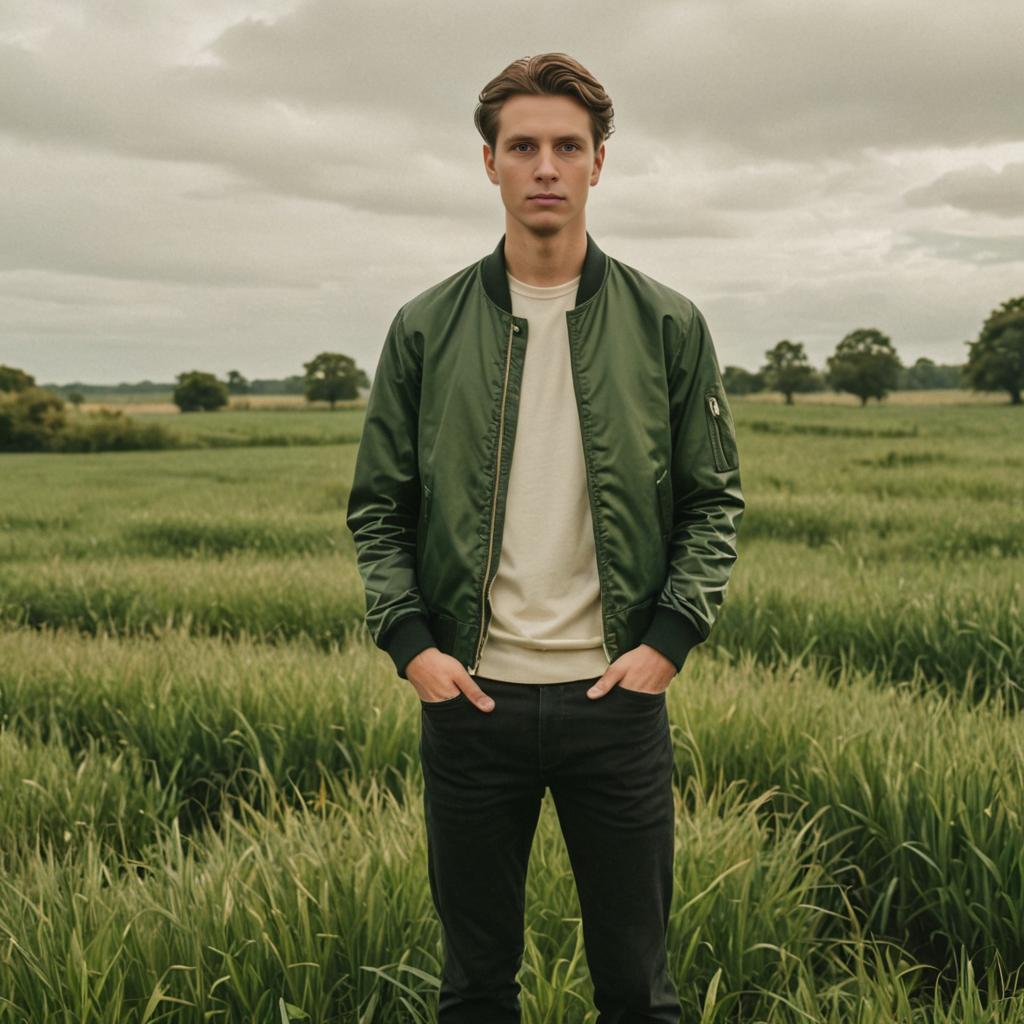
(240,184)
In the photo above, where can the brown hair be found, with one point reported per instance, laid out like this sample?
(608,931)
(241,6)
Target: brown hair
(552,74)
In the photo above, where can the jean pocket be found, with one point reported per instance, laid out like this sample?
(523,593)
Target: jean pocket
(641,695)
(446,703)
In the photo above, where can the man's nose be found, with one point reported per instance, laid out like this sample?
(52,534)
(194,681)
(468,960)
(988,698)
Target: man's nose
(546,165)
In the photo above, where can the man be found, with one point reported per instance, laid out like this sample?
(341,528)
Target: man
(544,507)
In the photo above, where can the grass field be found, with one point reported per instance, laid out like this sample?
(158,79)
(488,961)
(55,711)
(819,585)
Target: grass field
(210,799)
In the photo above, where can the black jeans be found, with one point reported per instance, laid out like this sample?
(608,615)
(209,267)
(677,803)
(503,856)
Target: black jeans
(608,763)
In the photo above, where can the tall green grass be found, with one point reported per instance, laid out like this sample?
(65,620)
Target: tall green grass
(54,799)
(836,843)
(958,626)
(274,599)
(174,504)
(901,555)
(960,630)
(210,802)
(325,912)
(923,793)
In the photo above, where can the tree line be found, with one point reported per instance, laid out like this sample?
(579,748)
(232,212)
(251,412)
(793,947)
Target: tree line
(34,418)
(866,364)
(787,371)
(329,377)
(77,392)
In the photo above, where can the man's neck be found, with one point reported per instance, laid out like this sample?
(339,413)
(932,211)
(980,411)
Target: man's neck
(546,260)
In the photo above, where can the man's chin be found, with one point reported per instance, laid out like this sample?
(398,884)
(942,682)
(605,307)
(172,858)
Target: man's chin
(545,230)
(546,227)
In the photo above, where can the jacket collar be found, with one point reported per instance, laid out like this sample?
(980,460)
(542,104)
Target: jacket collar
(495,281)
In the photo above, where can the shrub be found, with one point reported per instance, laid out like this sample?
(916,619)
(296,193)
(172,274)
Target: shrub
(34,420)
(110,430)
(30,419)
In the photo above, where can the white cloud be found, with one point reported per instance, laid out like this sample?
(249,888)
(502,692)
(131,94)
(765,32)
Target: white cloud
(250,182)
(979,188)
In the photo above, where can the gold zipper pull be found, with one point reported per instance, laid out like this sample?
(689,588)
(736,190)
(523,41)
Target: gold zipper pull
(713,403)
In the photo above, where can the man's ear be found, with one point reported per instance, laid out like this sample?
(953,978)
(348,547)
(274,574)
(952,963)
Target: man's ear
(598,164)
(489,164)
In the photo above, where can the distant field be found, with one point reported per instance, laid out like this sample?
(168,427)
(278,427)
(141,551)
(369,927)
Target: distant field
(210,803)
(939,396)
(293,424)
(145,404)
(285,425)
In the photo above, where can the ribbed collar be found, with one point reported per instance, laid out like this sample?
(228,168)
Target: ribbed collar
(493,273)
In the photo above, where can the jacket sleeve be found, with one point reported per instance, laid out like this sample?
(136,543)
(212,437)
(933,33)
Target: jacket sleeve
(707,501)
(384,502)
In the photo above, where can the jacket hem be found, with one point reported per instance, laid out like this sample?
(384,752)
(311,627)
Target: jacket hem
(406,639)
(673,634)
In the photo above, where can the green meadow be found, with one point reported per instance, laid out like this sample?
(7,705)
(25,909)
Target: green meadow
(210,796)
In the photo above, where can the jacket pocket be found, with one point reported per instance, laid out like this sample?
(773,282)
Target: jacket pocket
(723,443)
(663,486)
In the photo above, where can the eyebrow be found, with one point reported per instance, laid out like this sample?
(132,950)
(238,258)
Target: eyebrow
(529,138)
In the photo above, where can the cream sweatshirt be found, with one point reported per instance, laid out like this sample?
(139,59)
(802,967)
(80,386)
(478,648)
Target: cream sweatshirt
(545,599)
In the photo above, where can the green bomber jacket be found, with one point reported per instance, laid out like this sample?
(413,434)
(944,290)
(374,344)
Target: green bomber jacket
(427,502)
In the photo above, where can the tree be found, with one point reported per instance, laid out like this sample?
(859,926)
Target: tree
(332,377)
(864,364)
(995,362)
(787,369)
(237,384)
(738,381)
(76,398)
(197,390)
(13,379)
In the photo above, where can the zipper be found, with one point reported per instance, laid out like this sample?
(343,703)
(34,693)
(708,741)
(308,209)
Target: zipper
(590,493)
(485,594)
(716,437)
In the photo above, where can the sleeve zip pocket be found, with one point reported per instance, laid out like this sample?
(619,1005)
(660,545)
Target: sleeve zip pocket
(723,445)
(663,486)
(421,530)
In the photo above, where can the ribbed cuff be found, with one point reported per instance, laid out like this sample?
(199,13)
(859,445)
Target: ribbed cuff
(673,634)
(406,639)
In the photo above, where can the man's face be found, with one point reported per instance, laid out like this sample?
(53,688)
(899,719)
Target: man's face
(544,147)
